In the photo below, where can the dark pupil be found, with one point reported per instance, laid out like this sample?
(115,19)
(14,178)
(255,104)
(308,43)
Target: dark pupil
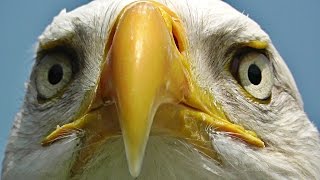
(254,74)
(55,74)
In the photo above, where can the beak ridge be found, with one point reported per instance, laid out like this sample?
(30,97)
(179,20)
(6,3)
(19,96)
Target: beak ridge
(139,55)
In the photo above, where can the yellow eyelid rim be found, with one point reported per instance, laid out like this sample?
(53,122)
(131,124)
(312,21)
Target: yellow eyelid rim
(256,44)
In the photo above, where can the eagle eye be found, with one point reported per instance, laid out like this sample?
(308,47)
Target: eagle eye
(253,71)
(53,73)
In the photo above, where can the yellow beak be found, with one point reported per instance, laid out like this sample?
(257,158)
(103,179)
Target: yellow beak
(146,71)
(148,83)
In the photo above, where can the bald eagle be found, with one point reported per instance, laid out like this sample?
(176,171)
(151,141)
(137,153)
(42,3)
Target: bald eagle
(166,89)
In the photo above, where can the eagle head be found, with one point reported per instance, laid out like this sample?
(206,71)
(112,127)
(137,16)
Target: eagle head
(164,89)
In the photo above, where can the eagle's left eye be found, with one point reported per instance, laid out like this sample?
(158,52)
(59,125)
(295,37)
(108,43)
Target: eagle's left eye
(53,73)
(254,73)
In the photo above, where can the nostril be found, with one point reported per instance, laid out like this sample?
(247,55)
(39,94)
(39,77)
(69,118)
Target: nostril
(176,42)
(178,35)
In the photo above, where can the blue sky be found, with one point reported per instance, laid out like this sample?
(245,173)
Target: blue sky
(293,25)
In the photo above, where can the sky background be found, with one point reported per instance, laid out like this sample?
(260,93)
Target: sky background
(293,26)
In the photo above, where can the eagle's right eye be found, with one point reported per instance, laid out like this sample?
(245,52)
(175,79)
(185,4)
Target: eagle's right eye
(253,71)
(53,73)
